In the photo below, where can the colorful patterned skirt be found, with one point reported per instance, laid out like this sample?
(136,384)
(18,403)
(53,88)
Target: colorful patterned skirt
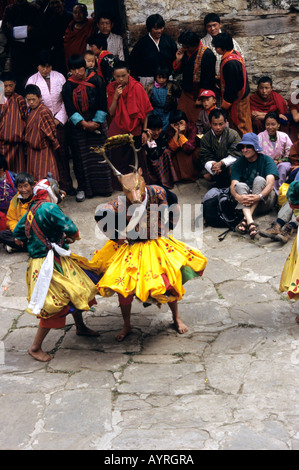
(151,270)
(289,281)
(70,289)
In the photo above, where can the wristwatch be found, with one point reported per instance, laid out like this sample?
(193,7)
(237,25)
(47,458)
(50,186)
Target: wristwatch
(261,196)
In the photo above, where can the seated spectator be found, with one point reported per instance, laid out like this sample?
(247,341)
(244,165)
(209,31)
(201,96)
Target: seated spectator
(264,100)
(163,95)
(12,124)
(218,150)
(40,136)
(7,190)
(50,84)
(252,183)
(182,141)
(78,31)
(159,161)
(196,63)
(234,84)
(114,41)
(283,227)
(213,25)
(277,145)
(208,102)
(293,105)
(105,60)
(91,62)
(17,208)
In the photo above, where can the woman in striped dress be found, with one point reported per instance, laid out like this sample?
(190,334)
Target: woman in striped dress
(40,136)
(86,105)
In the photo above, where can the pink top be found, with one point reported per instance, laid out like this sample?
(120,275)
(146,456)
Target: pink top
(276,150)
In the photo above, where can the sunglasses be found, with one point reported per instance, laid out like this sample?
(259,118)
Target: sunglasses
(247,146)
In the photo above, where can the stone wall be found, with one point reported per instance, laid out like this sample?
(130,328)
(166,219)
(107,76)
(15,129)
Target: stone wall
(267,31)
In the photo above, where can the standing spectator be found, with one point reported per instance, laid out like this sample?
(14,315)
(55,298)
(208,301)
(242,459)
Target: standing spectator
(40,136)
(55,21)
(105,60)
(86,105)
(213,25)
(128,106)
(114,41)
(78,31)
(208,100)
(234,84)
(154,49)
(163,95)
(197,64)
(22,25)
(12,124)
(50,84)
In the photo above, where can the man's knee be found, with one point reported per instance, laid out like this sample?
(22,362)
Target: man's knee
(242,188)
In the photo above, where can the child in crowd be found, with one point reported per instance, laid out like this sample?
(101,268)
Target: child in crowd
(159,159)
(91,61)
(40,136)
(163,95)
(182,142)
(208,102)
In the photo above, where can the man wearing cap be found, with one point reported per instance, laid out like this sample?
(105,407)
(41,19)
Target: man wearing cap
(252,183)
(207,99)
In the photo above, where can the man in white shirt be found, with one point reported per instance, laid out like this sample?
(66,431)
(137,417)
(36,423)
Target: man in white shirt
(114,41)
(213,26)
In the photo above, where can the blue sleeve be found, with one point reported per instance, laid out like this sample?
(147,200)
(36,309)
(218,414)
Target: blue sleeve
(76,118)
(100,117)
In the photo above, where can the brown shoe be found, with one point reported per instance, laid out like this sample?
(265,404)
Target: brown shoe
(272,231)
(285,234)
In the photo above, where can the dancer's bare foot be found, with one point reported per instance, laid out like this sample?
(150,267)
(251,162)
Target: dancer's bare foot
(126,331)
(84,331)
(39,355)
(180,326)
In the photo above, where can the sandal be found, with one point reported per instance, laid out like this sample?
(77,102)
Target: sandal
(242,227)
(253,230)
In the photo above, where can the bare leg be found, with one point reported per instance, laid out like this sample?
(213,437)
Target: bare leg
(180,326)
(36,348)
(81,328)
(126,330)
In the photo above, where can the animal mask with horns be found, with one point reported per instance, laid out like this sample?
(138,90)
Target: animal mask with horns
(132,183)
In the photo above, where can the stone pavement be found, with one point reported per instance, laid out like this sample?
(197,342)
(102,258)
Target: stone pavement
(231,382)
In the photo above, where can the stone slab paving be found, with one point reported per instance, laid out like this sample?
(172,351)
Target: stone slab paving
(231,382)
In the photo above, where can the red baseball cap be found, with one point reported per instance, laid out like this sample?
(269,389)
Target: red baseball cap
(207,93)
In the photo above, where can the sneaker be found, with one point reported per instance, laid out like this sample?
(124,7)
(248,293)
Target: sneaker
(9,249)
(80,196)
(272,231)
(285,234)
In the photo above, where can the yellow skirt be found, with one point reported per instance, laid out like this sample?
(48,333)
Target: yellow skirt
(289,281)
(69,285)
(150,270)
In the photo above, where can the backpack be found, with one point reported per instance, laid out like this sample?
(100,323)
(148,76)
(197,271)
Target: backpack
(219,210)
